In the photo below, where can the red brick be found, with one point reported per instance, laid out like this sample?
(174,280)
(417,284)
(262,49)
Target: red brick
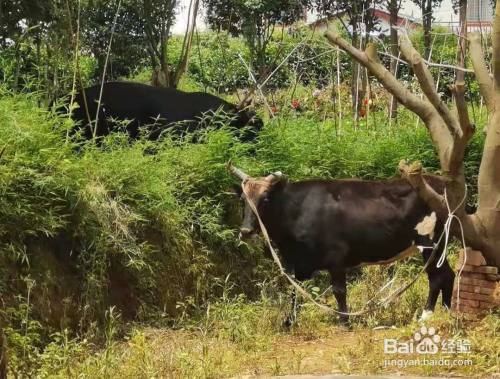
(492,277)
(469,303)
(472,296)
(474,258)
(479,269)
(466,309)
(478,282)
(487,305)
(473,275)
(475,289)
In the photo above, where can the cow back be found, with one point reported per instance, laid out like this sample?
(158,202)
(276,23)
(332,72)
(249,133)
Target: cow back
(143,105)
(318,224)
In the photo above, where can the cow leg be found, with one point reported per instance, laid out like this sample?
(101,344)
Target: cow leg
(440,280)
(292,317)
(447,284)
(339,290)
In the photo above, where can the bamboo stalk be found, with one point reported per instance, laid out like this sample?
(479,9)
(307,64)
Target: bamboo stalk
(94,131)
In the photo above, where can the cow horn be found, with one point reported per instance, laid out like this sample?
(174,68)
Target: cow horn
(275,177)
(236,171)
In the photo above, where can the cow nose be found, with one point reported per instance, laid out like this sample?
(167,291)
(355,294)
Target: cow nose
(245,232)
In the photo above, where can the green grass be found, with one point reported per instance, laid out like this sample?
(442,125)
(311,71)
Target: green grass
(236,337)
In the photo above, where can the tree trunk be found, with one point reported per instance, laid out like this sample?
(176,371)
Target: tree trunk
(163,74)
(427,26)
(17,72)
(393,10)
(187,43)
(487,217)
(451,131)
(354,71)
(357,89)
(486,221)
(159,77)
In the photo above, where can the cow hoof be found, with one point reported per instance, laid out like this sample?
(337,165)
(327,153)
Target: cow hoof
(344,323)
(287,323)
(426,314)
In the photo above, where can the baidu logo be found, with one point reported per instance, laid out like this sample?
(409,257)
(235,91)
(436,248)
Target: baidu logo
(426,341)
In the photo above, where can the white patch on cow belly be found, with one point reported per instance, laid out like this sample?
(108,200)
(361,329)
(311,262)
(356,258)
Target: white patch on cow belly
(405,253)
(427,226)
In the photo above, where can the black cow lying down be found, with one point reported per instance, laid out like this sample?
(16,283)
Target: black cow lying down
(337,225)
(156,109)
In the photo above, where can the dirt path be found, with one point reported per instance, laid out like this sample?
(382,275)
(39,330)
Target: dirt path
(229,347)
(334,351)
(353,377)
(308,354)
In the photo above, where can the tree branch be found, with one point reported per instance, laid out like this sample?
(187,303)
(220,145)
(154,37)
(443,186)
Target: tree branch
(427,84)
(186,44)
(428,63)
(463,115)
(459,88)
(370,60)
(152,42)
(481,71)
(496,48)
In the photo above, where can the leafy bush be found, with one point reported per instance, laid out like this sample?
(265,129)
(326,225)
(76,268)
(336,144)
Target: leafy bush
(214,62)
(22,68)
(109,225)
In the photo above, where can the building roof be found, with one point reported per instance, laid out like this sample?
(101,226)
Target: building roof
(382,15)
(473,23)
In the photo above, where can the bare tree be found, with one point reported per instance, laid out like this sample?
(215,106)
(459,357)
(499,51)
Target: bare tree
(393,6)
(359,22)
(426,7)
(159,16)
(451,130)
